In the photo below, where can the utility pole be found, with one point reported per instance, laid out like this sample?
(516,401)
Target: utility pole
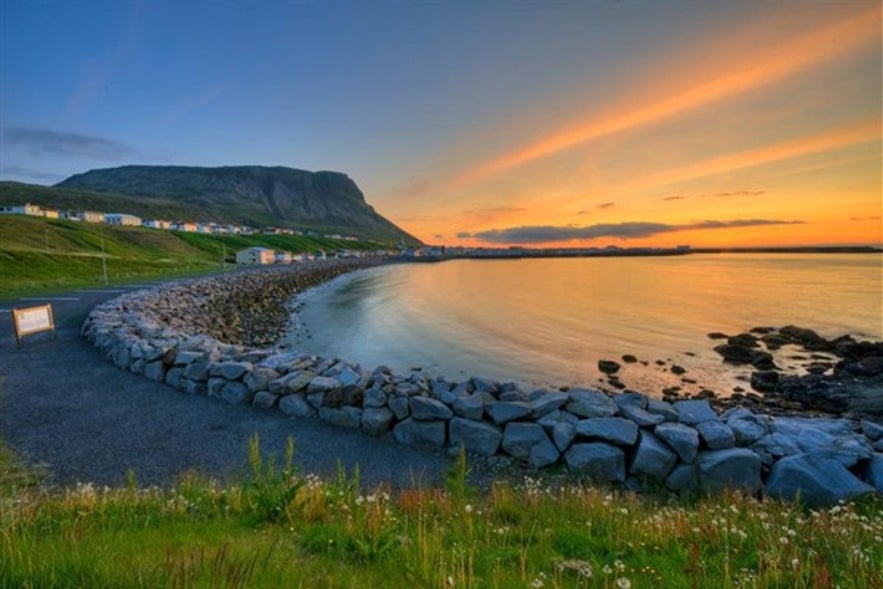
(103,259)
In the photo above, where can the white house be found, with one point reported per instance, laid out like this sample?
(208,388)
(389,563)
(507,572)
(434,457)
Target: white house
(157,224)
(25,209)
(283,257)
(122,219)
(90,216)
(255,255)
(186,226)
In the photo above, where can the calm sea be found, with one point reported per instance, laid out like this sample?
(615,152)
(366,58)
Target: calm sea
(547,322)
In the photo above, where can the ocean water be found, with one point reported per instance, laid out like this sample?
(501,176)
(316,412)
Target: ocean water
(547,322)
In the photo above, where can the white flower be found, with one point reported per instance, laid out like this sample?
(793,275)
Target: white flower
(468,508)
(623,583)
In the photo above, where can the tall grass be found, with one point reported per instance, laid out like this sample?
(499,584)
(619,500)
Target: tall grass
(281,528)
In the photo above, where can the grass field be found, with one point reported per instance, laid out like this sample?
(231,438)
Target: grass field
(44,255)
(281,528)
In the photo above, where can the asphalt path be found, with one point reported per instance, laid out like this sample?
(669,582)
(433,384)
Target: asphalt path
(67,407)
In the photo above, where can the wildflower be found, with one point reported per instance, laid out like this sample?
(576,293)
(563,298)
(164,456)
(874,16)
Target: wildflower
(468,508)
(795,563)
(536,583)
(623,583)
(450,581)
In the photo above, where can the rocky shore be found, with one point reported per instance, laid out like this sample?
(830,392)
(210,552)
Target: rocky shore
(213,337)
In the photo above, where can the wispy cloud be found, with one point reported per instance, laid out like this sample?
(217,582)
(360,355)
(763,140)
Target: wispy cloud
(21,173)
(674,197)
(606,205)
(631,230)
(756,70)
(742,193)
(46,143)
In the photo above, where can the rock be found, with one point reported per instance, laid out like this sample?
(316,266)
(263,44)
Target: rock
(873,431)
(296,406)
(586,403)
(734,354)
(663,408)
(264,400)
(874,472)
(773,446)
(746,431)
(563,434)
(503,412)
(683,439)
(215,385)
(155,371)
(684,480)
(348,377)
(547,403)
(322,384)
(410,431)
(616,430)
(483,385)
(630,399)
(400,406)
(529,442)
(475,436)
(470,406)
(608,366)
(629,359)
(601,462)
(350,417)
(640,416)
(259,378)
(427,409)
(376,421)
(197,370)
(676,369)
(694,411)
(291,383)
(374,397)
(762,360)
(175,377)
(848,449)
(716,435)
(733,468)
(231,370)
(717,335)
(814,480)
(653,458)
(764,381)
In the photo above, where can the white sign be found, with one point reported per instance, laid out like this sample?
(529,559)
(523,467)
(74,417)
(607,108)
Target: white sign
(32,320)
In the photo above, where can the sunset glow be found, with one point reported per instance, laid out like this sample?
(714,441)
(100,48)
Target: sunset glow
(583,124)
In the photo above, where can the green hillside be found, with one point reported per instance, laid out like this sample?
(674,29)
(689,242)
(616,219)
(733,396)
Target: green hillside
(44,255)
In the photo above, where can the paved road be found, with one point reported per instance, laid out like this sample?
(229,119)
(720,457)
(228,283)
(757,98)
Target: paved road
(65,405)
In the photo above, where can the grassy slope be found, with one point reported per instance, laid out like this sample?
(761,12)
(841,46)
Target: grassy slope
(280,529)
(43,255)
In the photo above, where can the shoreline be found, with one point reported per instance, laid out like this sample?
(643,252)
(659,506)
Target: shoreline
(628,438)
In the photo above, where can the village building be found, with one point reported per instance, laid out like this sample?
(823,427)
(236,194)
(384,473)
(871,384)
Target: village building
(157,224)
(122,219)
(25,209)
(186,226)
(283,257)
(255,255)
(90,216)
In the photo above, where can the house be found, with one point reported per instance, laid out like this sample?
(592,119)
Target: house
(50,213)
(122,219)
(25,209)
(90,216)
(157,224)
(283,257)
(186,226)
(255,255)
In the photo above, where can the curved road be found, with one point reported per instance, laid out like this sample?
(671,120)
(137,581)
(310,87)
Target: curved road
(64,405)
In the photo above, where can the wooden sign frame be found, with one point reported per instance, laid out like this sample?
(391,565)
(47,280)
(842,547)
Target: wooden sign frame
(32,320)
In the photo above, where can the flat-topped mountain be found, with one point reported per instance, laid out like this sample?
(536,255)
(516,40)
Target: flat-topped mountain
(329,202)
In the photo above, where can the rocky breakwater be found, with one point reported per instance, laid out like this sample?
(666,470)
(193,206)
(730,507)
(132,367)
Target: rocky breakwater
(173,334)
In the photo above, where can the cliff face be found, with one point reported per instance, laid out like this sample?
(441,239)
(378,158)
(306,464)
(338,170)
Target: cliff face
(329,202)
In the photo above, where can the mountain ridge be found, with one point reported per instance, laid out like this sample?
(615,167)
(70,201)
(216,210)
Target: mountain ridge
(253,195)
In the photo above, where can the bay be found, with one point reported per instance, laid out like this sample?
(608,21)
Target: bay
(547,322)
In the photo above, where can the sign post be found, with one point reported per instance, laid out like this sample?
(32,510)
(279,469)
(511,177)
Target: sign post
(32,320)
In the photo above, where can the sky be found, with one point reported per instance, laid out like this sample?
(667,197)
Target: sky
(490,123)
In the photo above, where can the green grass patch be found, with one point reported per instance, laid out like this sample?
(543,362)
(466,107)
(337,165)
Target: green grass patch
(281,528)
(44,255)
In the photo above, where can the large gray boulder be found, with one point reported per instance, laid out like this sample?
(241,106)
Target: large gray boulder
(264,400)
(296,406)
(291,383)
(529,442)
(640,416)
(236,393)
(502,412)
(653,458)
(476,436)
(773,446)
(616,430)
(470,406)
(322,384)
(684,480)
(733,468)
(683,439)
(601,462)
(350,417)
(848,449)
(548,402)
(231,370)
(716,435)
(874,471)
(259,378)
(586,403)
(747,431)
(428,409)
(376,421)
(816,481)
(694,411)
(410,431)
(400,406)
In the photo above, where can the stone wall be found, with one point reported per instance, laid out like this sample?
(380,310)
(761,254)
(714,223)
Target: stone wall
(202,337)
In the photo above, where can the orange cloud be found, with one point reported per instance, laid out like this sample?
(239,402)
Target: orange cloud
(754,71)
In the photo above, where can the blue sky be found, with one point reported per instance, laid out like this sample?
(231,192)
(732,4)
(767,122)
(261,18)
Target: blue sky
(422,104)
